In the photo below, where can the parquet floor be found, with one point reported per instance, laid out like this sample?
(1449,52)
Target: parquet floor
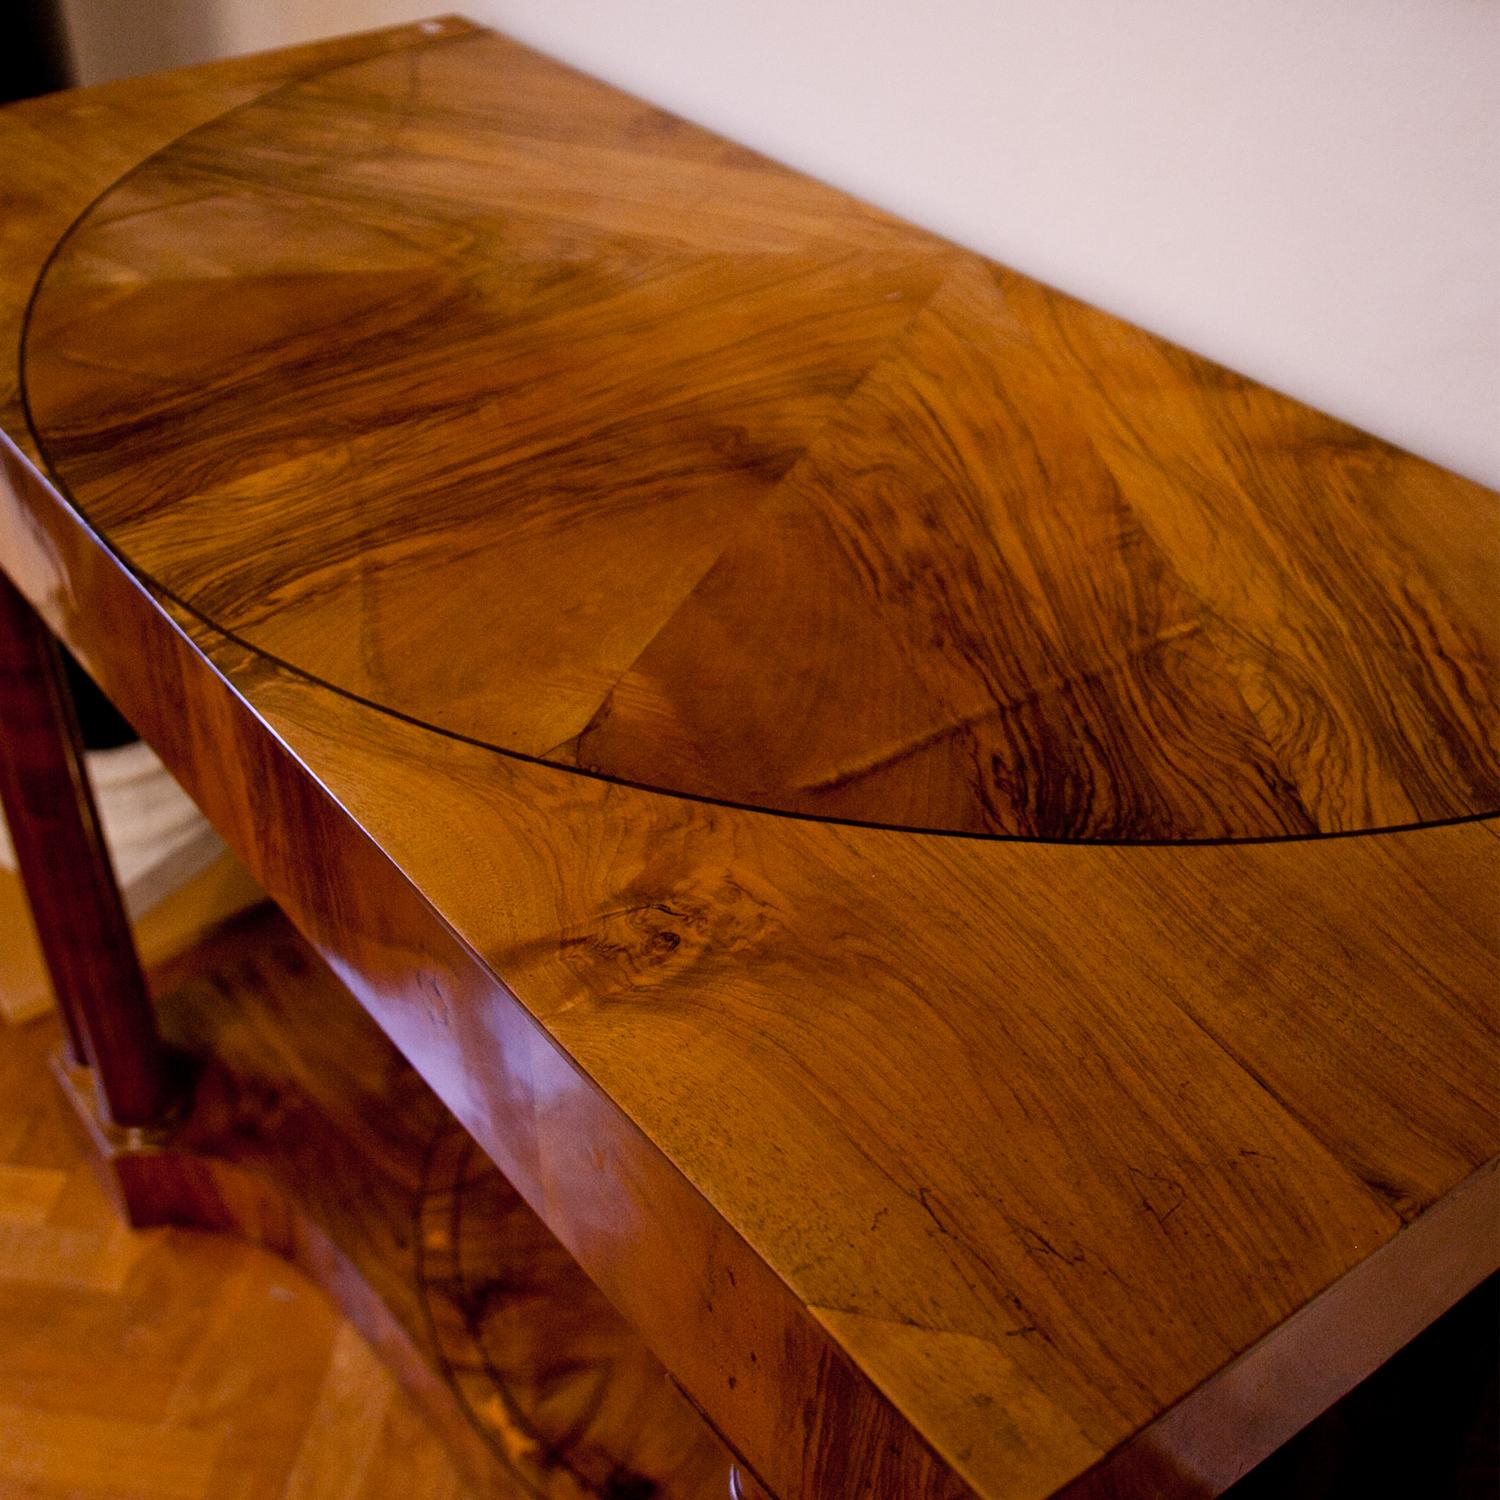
(171,1365)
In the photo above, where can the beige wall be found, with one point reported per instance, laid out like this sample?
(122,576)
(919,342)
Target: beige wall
(1309,192)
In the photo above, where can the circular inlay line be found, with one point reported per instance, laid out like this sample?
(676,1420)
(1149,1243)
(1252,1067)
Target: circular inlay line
(163,592)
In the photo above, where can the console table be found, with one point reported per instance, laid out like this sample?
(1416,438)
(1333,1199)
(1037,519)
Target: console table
(895,869)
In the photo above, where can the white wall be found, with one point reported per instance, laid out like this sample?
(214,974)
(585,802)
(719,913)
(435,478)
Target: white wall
(1306,190)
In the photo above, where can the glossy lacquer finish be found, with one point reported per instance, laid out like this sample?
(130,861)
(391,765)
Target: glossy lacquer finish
(519,408)
(54,828)
(441,451)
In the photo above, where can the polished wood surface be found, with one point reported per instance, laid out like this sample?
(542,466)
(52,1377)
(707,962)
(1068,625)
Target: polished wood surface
(76,907)
(522,409)
(549,451)
(309,1135)
(146,1364)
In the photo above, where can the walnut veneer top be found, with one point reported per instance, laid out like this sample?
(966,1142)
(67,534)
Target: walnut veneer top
(575,496)
(500,400)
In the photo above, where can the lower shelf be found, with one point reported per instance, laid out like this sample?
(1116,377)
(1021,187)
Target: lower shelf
(310,1135)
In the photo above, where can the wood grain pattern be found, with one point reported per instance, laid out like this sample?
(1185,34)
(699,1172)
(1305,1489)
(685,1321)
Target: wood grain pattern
(778,1134)
(309,1135)
(929,1166)
(757,494)
(76,144)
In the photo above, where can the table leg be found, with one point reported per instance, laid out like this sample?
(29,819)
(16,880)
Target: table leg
(85,936)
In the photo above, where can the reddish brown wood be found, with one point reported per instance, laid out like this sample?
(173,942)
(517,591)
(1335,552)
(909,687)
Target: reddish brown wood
(70,882)
(929,1166)
(1334,1337)
(744,1486)
(567,1147)
(488,395)
(752,1356)
(308,1134)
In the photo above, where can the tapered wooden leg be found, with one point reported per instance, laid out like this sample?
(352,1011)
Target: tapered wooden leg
(85,936)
